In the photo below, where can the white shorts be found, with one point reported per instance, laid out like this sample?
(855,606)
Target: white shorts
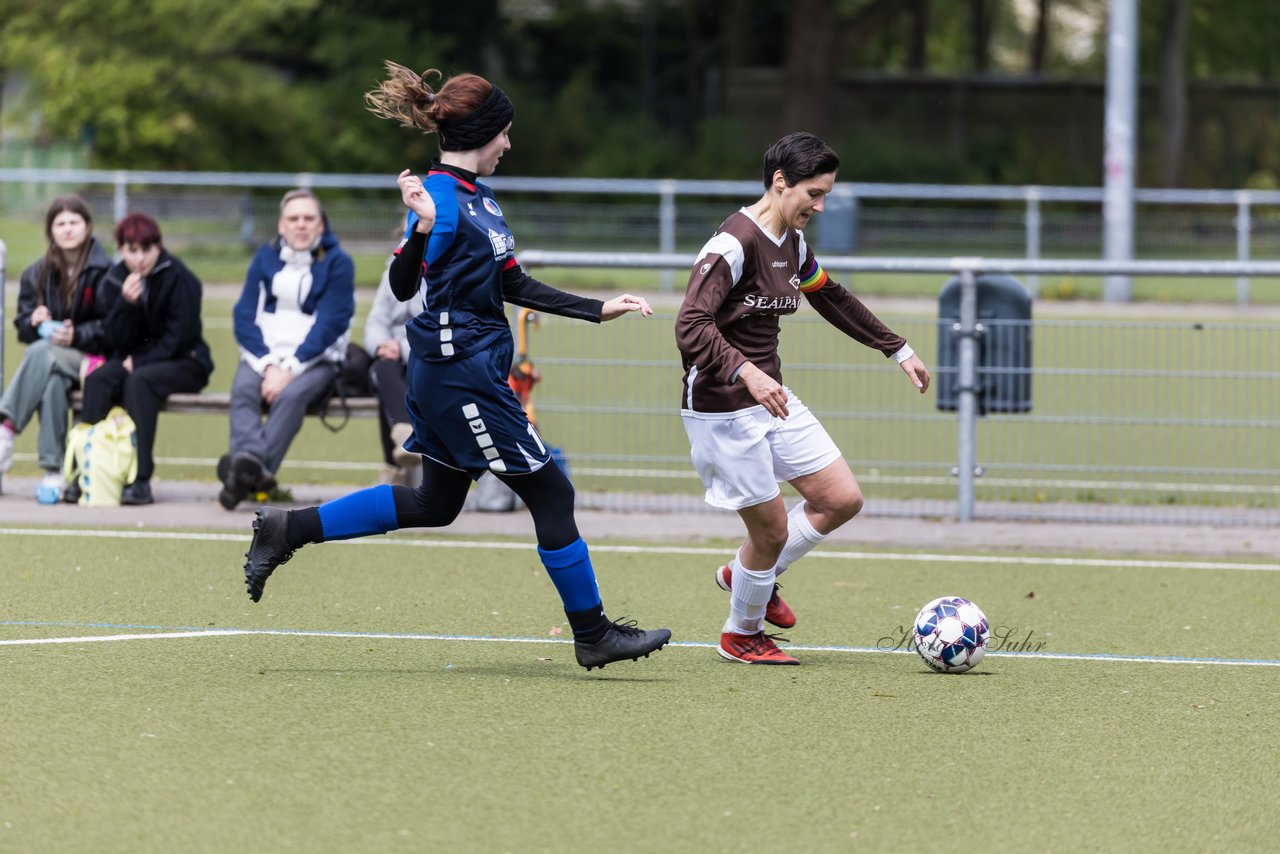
(743,456)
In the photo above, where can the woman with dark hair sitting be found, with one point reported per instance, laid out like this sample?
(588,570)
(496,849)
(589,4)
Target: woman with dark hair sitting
(62,302)
(156,339)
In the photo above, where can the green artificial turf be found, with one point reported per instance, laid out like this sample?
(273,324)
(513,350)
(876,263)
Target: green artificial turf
(437,706)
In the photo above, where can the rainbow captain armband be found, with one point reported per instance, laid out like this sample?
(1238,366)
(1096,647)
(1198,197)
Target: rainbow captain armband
(813,278)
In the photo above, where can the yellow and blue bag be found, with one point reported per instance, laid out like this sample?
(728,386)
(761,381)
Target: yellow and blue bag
(102,458)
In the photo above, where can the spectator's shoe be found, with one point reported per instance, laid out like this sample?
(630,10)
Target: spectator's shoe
(6,446)
(393,475)
(71,495)
(268,550)
(49,490)
(623,640)
(227,497)
(136,494)
(753,649)
(777,612)
(242,474)
(401,433)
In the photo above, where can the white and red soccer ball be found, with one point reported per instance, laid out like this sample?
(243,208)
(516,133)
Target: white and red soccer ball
(951,634)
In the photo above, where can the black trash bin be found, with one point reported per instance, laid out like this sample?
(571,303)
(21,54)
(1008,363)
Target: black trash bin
(1004,345)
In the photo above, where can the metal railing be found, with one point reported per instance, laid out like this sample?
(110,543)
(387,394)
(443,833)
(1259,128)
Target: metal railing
(848,225)
(1188,426)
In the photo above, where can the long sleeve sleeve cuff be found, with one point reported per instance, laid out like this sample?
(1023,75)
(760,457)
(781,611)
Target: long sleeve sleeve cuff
(258,363)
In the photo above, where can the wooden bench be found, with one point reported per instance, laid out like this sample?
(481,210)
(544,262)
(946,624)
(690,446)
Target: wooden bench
(219,403)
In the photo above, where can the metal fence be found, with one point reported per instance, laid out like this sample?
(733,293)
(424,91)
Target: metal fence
(237,211)
(1171,421)
(1140,421)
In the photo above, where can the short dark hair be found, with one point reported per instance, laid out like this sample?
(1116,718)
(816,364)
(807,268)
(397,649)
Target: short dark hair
(800,156)
(138,229)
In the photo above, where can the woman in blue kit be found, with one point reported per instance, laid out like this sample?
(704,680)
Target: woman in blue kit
(466,420)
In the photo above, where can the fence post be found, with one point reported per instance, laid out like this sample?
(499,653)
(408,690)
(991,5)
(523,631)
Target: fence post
(120,199)
(1244,230)
(1032,195)
(667,229)
(966,389)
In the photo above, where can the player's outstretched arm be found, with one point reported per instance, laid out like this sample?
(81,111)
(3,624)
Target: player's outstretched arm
(624,304)
(919,374)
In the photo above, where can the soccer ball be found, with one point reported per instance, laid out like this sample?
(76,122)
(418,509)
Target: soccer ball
(951,634)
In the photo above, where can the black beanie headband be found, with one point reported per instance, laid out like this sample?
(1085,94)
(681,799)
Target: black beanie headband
(478,126)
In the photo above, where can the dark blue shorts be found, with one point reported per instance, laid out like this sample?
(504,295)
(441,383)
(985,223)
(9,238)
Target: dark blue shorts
(466,417)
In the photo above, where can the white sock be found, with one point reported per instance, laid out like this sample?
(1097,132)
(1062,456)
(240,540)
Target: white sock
(801,538)
(751,592)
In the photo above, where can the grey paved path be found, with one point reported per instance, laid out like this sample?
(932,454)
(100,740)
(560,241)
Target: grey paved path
(191,505)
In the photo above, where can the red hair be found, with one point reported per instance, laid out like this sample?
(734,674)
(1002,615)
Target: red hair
(138,229)
(406,97)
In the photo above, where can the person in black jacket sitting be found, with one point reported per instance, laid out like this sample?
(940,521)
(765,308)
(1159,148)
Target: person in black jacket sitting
(156,339)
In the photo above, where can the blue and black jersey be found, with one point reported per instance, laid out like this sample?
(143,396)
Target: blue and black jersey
(469,271)
(464,413)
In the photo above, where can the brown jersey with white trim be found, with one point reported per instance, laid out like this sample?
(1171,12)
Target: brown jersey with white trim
(744,280)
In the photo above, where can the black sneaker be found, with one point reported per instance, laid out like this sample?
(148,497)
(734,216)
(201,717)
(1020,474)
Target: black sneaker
(224,469)
(268,550)
(137,493)
(251,474)
(623,640)
(71,495)
(230,495)
(242,474)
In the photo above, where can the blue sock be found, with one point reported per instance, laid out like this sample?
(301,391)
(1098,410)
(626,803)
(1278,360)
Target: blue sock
(571,573)
(368,511)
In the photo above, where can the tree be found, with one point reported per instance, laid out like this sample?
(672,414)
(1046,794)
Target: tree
(821,37)
(1040,38)
(146,79)
(980,26)
(240,84)
(1173,89)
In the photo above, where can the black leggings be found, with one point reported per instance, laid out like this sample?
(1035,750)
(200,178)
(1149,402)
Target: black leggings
(144,391)
(387,377)
(438,500)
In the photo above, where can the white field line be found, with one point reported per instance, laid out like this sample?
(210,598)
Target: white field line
(102,638)
(856,650)
(706,551)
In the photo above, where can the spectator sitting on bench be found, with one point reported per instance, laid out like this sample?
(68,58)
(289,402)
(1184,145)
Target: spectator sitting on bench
(387,341)
(62,303)
(156,340)
(292,323)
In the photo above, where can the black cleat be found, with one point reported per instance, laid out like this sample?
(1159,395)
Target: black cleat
(268,550)
(623,640)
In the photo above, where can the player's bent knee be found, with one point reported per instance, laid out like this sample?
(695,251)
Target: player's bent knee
(769,541)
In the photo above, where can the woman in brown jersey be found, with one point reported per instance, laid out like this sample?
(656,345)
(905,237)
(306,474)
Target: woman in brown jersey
(747,431)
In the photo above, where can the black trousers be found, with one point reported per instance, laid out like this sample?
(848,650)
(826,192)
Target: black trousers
(388,379)
(143,391)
